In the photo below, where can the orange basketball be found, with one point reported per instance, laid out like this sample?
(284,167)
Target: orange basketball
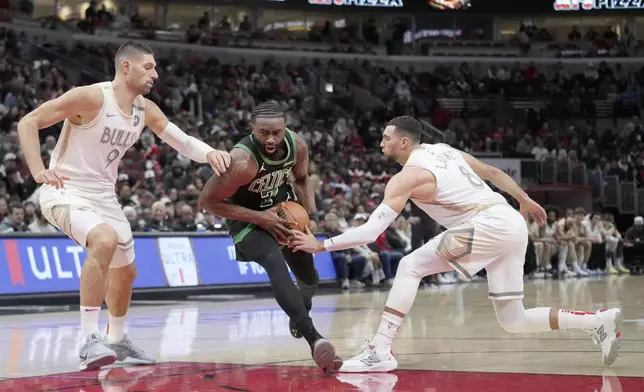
(294,212)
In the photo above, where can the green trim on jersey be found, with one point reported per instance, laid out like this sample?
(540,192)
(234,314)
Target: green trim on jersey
(238,230)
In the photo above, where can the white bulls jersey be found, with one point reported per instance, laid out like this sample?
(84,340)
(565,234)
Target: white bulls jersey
(90,154)
(460,193)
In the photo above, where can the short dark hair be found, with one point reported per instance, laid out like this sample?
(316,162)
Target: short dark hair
(409,126)
(131,48)
(269,109)
(15,206)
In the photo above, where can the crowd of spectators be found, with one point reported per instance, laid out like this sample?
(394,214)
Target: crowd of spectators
(579,244)
(213,100)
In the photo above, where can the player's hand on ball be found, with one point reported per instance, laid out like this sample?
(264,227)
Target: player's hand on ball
(305,242)
(533,208)
(277,226)
(219,161)
(51,177)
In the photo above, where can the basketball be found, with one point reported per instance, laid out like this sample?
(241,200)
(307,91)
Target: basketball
(294,212)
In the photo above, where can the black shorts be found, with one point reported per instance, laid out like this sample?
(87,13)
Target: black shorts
(253,243)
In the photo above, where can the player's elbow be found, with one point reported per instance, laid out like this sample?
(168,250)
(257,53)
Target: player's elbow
(206,200)
(26,123)
(370,237)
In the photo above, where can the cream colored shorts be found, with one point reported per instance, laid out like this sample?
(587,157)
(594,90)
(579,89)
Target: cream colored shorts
(76,213)
(495,239)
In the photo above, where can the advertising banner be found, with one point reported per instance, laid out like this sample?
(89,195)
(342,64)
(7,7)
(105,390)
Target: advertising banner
(53,265)
(491,7)
(511,167)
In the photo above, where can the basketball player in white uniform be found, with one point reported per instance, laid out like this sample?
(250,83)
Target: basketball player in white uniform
(483,231)
(102,121)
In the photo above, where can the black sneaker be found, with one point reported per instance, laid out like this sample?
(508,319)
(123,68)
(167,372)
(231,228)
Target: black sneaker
(294,331)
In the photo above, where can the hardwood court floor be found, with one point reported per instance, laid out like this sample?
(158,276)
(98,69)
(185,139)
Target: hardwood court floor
(449,342)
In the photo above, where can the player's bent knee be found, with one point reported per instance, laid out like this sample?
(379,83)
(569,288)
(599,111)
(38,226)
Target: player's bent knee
(513,327)
(309,281)
(102,242)
(409,266)
(511,315)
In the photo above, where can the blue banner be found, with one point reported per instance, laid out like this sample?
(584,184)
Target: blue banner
(53,265)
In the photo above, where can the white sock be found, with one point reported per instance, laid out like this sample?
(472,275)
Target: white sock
(115,329)
(89,320)
(571,319)
(388,329)
(563,255)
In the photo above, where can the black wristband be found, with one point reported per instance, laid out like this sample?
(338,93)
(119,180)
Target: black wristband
(314,217)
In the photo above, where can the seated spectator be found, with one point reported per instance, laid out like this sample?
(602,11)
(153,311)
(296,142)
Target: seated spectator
(15,221)
(403,229)
(535,252)
(349,264)
(614,246)
(584,244)
(133,218)
(567,233)
(374,266)
(597,261)
(390,254)
(186,221)
(40,224)
(30,212)
(159,221)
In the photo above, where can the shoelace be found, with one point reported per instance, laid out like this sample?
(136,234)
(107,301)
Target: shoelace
(367,346)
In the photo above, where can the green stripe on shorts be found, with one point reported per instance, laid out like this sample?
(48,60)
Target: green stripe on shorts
(243,233)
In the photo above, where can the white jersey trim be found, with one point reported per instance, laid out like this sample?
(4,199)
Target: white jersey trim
(116,103)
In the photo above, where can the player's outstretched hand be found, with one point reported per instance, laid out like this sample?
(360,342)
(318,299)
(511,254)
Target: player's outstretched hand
(533,208)
(219,161)
(304,242)
(51,177)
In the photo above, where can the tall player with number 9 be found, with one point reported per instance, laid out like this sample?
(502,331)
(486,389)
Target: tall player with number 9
(101,122)
(483,231)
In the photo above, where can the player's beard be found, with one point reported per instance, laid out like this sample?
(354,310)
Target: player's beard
(261,147)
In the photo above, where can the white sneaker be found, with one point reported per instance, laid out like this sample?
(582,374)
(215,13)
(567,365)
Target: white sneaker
(371,358)
(609,333)
(566,273)
(577,270)
(357,284)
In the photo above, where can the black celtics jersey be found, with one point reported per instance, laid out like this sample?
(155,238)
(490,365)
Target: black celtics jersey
(270,185)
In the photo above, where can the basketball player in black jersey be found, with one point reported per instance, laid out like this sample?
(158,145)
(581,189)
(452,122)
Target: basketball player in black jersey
(247,194)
